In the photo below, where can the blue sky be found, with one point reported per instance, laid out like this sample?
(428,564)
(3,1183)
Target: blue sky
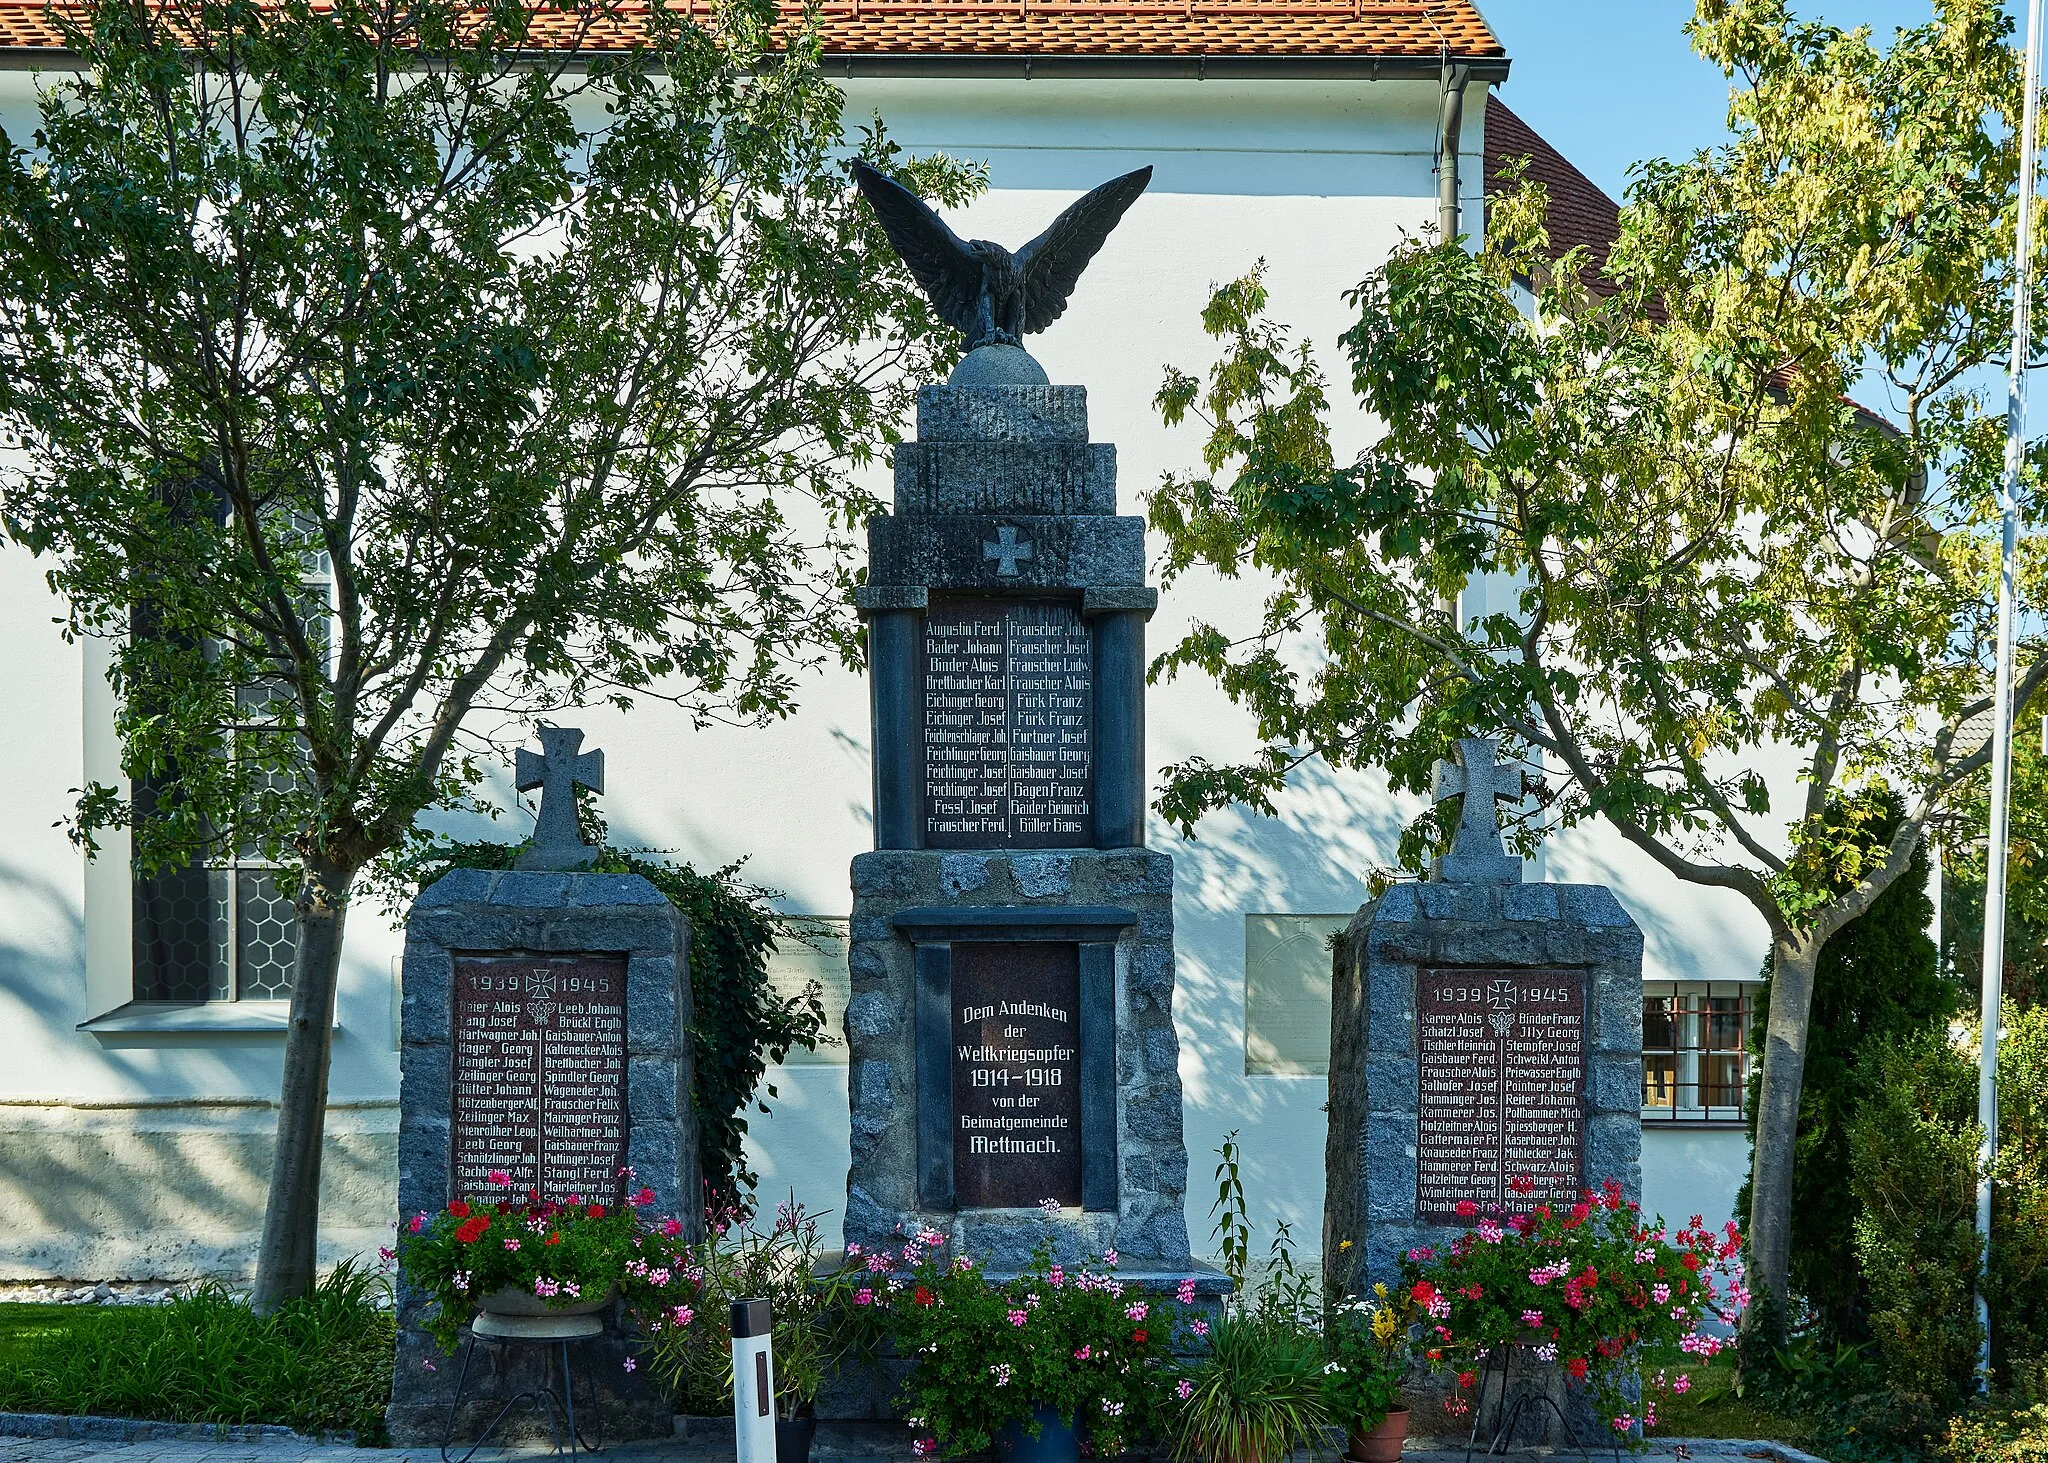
(1608,82)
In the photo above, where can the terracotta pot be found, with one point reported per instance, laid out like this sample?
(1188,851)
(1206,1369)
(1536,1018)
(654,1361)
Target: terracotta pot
(510,1302)
(1383,1443)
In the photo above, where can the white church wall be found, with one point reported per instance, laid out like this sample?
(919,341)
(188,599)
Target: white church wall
(141,1151)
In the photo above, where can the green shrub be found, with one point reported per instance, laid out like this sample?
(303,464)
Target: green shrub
(320,1364)
(1913,1150)
(739,1027)
(2016,1435)
(1878,979)
(2017,1288)
(1256,1395)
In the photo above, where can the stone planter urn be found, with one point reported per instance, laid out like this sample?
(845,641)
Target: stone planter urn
(520,1315)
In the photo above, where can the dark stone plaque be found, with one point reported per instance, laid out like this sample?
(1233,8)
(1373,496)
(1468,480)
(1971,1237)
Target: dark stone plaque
(1502,1060)
(540,1074)
(1008,735)
(1016,1074)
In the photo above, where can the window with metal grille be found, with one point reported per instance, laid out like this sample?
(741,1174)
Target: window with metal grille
(220,931)
(1695,1052)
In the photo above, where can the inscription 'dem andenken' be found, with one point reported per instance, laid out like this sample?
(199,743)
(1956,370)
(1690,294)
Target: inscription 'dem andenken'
(1502,1062)
(540,1073)
(1008,725)
(1016,1074)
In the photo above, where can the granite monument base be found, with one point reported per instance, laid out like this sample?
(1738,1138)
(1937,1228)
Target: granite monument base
(543,948)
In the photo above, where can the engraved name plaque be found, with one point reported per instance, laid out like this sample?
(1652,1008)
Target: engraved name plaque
(540,1074)
(1008,725)
(1502,1061)
(1016,1074)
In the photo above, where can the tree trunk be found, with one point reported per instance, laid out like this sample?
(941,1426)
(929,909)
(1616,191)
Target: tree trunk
(291,1220)
(1777,1125)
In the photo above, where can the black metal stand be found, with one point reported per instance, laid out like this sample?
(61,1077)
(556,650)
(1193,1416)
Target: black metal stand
(561,1411)
(1528,1395)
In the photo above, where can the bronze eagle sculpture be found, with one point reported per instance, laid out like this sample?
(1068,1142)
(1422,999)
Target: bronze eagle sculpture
(990,295)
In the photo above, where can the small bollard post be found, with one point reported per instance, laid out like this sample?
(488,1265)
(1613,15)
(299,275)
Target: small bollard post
(753,1381)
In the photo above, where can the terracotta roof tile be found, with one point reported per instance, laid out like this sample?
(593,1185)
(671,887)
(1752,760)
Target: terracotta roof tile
(1580,211)
(1403,29)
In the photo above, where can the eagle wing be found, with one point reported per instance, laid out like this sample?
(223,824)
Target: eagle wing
(946,269)
(1052,262)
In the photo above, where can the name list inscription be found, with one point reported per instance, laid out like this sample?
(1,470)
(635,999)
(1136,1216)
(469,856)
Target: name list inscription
(540,1074)
(1008,725)
(1016,1074)
(1502,1060)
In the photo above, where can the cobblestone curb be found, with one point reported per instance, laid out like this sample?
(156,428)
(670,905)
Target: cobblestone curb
(137,1430)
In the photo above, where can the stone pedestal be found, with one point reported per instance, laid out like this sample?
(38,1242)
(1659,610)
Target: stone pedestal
(1014,1066)
(1518,963)
(596,968)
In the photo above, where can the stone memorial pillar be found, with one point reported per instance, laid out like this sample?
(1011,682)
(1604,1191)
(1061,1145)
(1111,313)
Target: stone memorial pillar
(1011,1023)
(545,1033)
(1481,1030)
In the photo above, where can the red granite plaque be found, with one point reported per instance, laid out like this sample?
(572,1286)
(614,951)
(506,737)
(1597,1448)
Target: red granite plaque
(1502,1062)
(1008,729)
(540,1074)
(1016,1074)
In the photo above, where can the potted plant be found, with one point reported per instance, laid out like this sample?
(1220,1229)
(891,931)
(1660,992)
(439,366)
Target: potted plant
(683,1301)
(1255,1395)
(1030,1366)
(518,1258)
(1367,1347)
(1584,1289)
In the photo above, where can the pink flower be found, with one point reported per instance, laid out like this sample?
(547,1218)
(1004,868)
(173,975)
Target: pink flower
(1184,1389)
(501,1178)
(385,1253)
(1109,1257)
(417,1221)
(864,1297)
(1532,1318)
(1058,1277)
(1018,1318)
(643,1197)
(1682,1385)
(924,1447)
(877,1264)
(672,1227)
(1200,1328)
(511,1244)
(1187,1292)
(1081,1355)
(682,1315)
(852,1251)
(1135,1312)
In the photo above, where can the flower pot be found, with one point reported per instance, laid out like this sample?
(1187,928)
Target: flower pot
(1055,1443)
(1383,1443)
(510,1302)
(793,1437)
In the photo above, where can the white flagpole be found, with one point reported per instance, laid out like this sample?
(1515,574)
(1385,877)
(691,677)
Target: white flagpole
(2001,696)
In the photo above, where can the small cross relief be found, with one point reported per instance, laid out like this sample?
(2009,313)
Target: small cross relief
(1006,549)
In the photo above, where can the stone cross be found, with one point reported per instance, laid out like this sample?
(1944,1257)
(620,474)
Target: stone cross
(1006,549)
(556,770)
(1477,854)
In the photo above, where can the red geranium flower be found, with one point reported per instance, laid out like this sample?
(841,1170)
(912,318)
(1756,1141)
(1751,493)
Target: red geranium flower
(1423,1292)
(1139,1337)
(1466,1379)
(553,1239)
(471,1230)
(1466,1208)
(923,1296)
(595,1211)
(1522,1184)
(1690,1261)
(459,1209)
(1577,1367)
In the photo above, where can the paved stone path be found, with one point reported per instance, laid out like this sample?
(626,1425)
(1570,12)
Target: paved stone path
(834,1445)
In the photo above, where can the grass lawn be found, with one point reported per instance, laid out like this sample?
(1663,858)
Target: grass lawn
(322,1364)
(1710,1408)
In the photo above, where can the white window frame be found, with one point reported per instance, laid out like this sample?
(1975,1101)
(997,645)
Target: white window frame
(1674,1073)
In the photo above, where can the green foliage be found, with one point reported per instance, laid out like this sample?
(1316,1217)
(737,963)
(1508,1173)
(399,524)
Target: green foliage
(1255,1395)
(985,1353)
(321,1363)
(1913,1152)
(2002,1435)
(739,1026)
(1233,1231)
(1367,1343)
(816,1323)
(2026,894)
(1877,979)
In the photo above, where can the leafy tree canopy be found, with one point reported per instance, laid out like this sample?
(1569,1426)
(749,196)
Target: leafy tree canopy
(1717,551)
(403,373)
